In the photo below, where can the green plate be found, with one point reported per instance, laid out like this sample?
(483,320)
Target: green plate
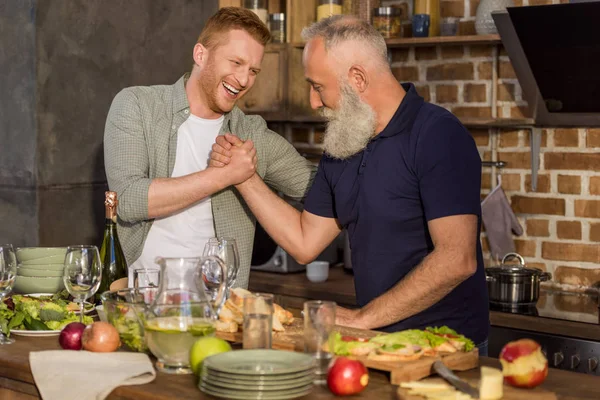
(260,362)
(257,378)
(267,386)
(254,395)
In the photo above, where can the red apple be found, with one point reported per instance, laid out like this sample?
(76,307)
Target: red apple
(346,376)
(523,363)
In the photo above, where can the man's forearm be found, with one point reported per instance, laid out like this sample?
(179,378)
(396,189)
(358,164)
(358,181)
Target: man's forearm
(169,195)
(281,221)
(437,275)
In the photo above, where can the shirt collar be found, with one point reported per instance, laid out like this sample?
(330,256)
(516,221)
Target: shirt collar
(405,115)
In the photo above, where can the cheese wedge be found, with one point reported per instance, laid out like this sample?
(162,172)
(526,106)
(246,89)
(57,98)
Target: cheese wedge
(490,386)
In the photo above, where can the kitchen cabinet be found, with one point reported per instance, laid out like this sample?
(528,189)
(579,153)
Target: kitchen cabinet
(269,92)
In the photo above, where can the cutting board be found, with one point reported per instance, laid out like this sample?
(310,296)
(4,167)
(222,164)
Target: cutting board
(510,393)
(400,371)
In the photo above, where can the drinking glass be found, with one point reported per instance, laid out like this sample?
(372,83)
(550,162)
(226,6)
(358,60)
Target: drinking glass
(226,249)
(82,274)
(146,277)
(319,320)
(258,321)
(8,273)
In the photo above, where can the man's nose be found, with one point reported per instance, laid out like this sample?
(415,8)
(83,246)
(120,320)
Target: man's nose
(315,99)
(243,77)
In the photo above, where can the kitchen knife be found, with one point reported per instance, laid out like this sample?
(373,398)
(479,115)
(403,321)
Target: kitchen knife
(458,383)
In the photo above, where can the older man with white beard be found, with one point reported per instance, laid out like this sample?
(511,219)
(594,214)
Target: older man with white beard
(401,175)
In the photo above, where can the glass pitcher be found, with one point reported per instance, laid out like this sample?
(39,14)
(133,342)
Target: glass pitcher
(181,312)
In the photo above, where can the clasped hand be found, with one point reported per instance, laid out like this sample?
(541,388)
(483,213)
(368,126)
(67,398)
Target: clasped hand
(237,156)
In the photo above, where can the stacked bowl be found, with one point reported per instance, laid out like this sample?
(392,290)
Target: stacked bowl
(40,270)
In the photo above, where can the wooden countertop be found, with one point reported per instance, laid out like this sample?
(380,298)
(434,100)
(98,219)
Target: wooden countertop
(340,288)
(15,375)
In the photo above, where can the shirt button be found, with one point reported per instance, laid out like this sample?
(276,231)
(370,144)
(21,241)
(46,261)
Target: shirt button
(364,165)
(187,111)
(173,126)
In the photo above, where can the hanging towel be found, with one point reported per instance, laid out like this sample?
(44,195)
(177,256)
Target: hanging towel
(500,223)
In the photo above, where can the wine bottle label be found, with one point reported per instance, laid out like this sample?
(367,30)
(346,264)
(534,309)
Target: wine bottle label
(110,205)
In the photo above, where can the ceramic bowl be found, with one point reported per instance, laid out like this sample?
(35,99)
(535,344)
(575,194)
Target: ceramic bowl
(56,259)
(41,273)
(32,253)
(49,267)
(32,284)
(317,271)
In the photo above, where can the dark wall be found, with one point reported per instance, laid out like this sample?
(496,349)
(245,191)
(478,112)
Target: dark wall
(61,64)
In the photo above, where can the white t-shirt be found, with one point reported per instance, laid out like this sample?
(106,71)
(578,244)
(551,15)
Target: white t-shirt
(184,233)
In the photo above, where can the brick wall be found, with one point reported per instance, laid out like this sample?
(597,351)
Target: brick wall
(561,220)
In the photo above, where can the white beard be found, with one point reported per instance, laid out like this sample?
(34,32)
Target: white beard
(350,127)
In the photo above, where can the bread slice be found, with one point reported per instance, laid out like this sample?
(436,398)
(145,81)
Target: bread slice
(277,326)
(230,313)
(226,326)
(394,357)
(236,295)
(285,316)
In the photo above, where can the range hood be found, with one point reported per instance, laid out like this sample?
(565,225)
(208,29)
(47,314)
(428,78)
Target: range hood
(555,52)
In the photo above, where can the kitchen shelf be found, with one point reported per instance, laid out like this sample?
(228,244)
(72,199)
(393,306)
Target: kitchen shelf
(436,40)
(507,123)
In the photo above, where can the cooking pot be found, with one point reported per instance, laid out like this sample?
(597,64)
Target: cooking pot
(510,284)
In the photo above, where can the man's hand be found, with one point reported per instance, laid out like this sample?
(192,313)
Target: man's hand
(240,158)
(221,154)
(348,317)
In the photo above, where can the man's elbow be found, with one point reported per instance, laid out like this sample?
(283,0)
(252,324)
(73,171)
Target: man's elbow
(468,268)
(304,259)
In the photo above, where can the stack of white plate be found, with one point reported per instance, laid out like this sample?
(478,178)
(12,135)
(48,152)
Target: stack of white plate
(258,374)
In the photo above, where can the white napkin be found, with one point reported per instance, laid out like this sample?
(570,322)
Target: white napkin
(83,375)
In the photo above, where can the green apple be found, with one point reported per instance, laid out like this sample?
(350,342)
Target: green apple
(204,347)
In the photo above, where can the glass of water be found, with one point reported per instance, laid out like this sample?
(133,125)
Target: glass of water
(8,273)
(319,321)
(145,277)
(82,274)
(258,321)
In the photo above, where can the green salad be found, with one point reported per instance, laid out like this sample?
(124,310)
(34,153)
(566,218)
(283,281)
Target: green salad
(128,324)
(44,313)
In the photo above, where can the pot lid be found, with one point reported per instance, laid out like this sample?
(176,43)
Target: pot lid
(513,269)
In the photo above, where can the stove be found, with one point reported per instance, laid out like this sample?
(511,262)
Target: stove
(573,352)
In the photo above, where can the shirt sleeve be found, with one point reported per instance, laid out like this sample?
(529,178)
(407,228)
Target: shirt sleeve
(449,169)
(319,200)
(287,171)
(126,157)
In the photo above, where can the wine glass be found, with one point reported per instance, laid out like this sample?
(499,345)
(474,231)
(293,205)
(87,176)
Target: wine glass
(8,273)
(82,274)
(226,249)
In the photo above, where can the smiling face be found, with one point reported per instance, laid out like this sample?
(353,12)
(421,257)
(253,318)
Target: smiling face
(228,70)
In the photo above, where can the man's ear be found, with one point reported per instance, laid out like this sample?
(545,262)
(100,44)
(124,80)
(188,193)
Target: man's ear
(200,54)
(357,75)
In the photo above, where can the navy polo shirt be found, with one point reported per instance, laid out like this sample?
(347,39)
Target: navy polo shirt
(424,165)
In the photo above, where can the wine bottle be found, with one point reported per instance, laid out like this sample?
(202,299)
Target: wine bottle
(114,266)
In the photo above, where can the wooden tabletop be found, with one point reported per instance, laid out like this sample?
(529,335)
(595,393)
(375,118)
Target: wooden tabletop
(339,287)
(15,374)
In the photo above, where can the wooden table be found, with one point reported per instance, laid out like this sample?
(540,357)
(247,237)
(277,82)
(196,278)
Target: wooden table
(16,381)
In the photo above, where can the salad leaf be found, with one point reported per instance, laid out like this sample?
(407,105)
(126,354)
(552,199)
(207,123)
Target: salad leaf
(451,334)
(344,348)
(407,337)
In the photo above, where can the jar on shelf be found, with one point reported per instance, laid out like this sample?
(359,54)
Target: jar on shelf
(259,7)
(365,9)
(388,21)
(277,27)
(327,8)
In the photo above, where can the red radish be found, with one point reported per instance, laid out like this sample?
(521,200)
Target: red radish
(100,337)
(346,376)
(70,336)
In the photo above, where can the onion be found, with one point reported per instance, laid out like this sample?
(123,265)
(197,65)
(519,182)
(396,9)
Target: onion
(70,336)
(100,337)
